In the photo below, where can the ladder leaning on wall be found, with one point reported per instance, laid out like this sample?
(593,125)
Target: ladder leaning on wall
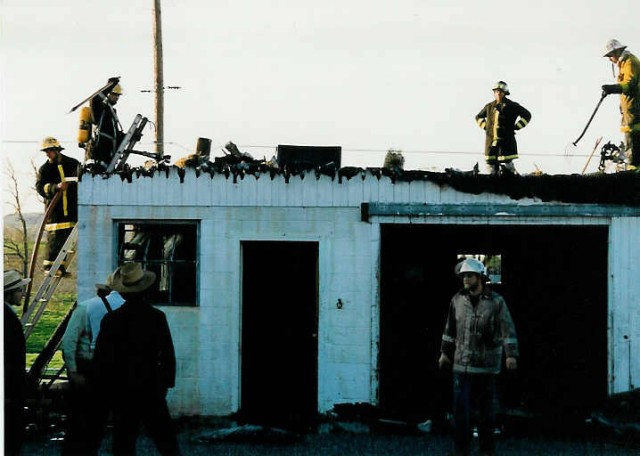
(51,280)
(34,309)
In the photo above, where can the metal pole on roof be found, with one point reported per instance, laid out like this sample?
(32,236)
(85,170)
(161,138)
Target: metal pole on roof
(158,77)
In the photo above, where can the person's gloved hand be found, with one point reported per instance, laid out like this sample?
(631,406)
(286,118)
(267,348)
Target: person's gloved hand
(512,364)
(611,88)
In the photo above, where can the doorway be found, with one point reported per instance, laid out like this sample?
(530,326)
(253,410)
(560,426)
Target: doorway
(279,333)
(554,280)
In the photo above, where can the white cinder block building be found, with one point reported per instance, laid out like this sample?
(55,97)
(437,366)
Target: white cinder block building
(289,294)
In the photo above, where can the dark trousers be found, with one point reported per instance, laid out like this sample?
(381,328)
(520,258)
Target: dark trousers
(632,145)
(474,391)
(87,418)
(13,427)
(143,408)
(55,242)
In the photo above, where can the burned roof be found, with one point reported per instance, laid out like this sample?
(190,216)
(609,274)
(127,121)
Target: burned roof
(622,188)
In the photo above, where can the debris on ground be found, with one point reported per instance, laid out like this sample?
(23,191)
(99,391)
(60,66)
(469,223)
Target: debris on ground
(248,433)
(620,416)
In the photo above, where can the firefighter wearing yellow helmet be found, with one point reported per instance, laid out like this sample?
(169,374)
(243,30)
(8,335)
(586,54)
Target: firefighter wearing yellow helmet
(107,132)
(500,120)
(58,174)
(628,86)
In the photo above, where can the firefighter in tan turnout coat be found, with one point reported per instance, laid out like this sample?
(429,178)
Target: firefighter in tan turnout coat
(478,330)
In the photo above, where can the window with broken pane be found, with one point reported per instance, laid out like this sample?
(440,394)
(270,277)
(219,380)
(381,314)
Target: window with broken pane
(170,250)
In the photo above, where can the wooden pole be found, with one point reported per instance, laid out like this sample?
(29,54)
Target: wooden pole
(159,77)
(591,156)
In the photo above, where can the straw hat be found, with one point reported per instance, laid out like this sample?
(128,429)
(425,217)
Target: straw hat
(13,279)
(130,278)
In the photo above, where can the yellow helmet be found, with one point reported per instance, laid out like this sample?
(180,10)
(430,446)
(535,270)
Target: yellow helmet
(117,89)
(50,143)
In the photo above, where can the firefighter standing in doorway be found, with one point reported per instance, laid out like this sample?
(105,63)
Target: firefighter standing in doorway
(58,174)
(477,331)
(107,131)
(500,119)
(628,87)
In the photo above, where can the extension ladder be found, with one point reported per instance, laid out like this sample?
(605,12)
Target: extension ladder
(34,311)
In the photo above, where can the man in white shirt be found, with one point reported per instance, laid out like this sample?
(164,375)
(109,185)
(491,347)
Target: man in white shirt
(87,411)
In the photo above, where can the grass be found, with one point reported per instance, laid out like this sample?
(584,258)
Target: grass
(55,311)
(51,318)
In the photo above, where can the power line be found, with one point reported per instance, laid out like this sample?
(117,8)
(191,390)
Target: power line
(352,150)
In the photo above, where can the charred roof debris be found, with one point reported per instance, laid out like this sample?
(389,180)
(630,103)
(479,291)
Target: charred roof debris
(621,188)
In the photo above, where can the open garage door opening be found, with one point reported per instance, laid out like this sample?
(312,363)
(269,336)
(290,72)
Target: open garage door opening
(554,280)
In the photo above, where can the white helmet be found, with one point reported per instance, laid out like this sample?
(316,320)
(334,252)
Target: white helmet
(611,46)
(471,265)
(501,85)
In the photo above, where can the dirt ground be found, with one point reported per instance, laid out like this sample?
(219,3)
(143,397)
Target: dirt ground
(347,444)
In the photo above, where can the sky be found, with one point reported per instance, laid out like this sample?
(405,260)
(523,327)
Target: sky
(366,75)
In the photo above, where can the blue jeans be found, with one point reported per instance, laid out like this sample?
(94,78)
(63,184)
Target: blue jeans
(474,392)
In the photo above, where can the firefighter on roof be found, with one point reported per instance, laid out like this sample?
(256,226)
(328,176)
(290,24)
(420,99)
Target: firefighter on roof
(107,132)
(500,119)
(628,87)
(58,174)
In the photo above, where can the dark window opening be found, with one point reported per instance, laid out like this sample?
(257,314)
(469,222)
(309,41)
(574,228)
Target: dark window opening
(169,250)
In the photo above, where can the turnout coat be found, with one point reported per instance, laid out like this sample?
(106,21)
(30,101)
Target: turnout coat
(65,214)
(629,80)
(474,337)
(500,122)
(107,132)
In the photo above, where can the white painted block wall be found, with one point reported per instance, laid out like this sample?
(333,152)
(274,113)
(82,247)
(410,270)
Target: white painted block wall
(207,337)
(325,210)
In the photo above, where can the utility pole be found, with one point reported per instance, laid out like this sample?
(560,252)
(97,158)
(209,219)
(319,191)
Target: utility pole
(158,76)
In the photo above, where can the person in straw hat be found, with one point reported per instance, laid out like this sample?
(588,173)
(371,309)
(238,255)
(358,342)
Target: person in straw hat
(14,362)
(135,362)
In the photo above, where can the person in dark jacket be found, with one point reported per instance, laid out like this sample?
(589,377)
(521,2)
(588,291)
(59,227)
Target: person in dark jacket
(500,119)
(134,361)
(108,132)
(478,330)
(14,363)
(58,174)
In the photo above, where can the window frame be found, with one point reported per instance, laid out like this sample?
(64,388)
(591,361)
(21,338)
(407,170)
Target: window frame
(119,229)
